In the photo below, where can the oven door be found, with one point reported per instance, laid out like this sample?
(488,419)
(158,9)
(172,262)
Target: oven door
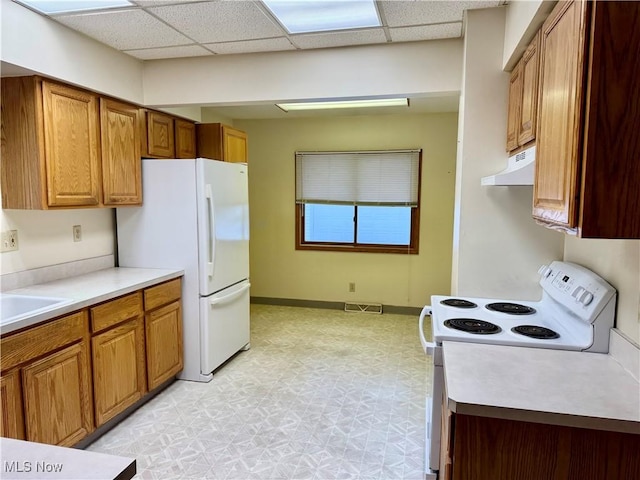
(433,403)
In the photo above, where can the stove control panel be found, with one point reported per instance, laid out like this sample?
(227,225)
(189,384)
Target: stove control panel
(576,288)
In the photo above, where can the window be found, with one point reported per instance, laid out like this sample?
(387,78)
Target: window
(358,201)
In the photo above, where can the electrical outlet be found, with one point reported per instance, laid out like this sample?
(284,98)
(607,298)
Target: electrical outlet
(352,286)
(9,240)
(77,233)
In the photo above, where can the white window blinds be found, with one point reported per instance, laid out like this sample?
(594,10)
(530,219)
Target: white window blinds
(358,178)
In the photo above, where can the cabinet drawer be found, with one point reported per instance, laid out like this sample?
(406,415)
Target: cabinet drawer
(162,294)
(37,341)
(116,311)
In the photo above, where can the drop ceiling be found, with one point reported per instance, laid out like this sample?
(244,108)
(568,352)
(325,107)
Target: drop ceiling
(158,29)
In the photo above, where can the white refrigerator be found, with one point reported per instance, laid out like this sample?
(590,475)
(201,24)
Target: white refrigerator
(195,217)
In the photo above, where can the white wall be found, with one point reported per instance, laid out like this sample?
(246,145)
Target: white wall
(498,248)
(278,270)
(524,17)
(371,70)
(45,237)
(35,43)
(618,262)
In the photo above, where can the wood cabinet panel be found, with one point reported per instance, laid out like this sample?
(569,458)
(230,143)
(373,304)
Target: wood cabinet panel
(235,145)
(557,144)
(610,196)
(11,413)
(121,160)
(185,139)
(515,104)
(23,346)
(71,134)
(221,142)
(163,328)
(496,449)
(116,311)
(529,103)
(119,373)
(160,135)
(162,294)
(57,395)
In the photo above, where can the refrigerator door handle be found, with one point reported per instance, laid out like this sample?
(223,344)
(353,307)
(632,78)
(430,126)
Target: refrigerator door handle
(211,233)
(226,298)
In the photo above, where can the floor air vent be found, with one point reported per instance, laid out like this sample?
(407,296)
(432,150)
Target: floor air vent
(363,307)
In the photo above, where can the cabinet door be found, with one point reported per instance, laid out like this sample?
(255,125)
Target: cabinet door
(118,369)
(72,148)
(57,397)
(121,162)
(185,139)
(163,328)
(235,145)
(559,112)
(529,103)
(160,138)
(11,416)
(515,99)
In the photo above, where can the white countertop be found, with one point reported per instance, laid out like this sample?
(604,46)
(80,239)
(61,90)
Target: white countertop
(559,387)
(88,289)
(30,460)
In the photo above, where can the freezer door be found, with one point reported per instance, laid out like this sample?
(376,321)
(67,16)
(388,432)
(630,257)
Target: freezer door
(225,324)
(223,224)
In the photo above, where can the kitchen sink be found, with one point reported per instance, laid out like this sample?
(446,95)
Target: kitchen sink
(17,307)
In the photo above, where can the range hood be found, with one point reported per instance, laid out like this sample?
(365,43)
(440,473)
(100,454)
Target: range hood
(520,170)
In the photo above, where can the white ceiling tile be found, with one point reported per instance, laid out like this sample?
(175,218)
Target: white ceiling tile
(339,39)
(425,12)
(426,32)
(125,29)
(251,46)
(169,52)
(222,21)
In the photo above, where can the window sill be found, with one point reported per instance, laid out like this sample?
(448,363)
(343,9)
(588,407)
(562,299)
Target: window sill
(335,247)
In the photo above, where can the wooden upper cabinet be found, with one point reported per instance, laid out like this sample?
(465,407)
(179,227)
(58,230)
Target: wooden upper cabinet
(222,142)
(50,145)
(523,98)
(185,139)
(587,168)
(529,104)
(72,146)
(160,135)
(121,162)
(515,105)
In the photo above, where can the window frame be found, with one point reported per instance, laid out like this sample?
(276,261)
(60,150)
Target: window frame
(411,249)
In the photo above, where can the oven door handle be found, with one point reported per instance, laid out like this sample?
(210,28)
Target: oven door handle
(428,347)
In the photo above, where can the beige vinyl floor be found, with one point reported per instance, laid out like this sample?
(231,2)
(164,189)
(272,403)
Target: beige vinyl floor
(322,394)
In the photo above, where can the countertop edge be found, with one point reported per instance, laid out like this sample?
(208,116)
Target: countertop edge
(75,305)
(27,460)
(548,418)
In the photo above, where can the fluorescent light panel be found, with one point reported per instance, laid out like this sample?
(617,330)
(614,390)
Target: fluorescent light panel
(322,16)
(51,7)
(382,102)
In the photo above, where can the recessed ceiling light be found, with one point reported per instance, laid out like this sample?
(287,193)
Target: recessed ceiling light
(382,102)
(322,16)
(51,7)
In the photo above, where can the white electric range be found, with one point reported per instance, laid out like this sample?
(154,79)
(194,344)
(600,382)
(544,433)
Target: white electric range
(576,312)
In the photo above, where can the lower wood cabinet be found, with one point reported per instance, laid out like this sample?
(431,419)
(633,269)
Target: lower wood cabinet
(119,378)
(11,415)
(57,397)
(63,378)
(163,328)
(497,449)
